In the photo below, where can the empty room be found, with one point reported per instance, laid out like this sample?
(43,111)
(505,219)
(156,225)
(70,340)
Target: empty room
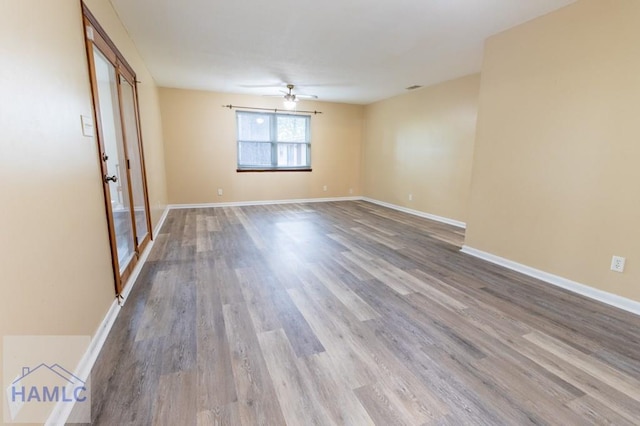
(320,213)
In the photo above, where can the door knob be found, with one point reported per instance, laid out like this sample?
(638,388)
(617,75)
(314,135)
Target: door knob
(108,179)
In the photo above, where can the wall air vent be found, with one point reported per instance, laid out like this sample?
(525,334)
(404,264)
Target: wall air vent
(414,87)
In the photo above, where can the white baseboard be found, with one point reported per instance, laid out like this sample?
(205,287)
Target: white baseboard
(62,410)
(321,200)
(261,203)
(135,273)
(430,216)
(158,227)
(573,286)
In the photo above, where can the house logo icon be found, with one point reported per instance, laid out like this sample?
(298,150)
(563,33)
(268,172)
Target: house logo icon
(38,389)
(45,380)
(47,383)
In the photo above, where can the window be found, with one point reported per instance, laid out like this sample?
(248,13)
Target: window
(271,141)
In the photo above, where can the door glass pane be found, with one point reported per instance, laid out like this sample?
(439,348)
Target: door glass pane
(114,151)
(133,148)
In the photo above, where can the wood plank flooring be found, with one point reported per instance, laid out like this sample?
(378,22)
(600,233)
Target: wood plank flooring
(348,313)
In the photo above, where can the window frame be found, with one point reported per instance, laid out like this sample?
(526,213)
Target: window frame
(273,142)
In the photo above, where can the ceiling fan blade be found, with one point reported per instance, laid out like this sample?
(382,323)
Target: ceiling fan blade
(306,96)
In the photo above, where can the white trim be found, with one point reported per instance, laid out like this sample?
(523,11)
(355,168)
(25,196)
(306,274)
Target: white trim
(573,286)
(430,216)
(62,411)
(135,273)
(261,203)
(158,227)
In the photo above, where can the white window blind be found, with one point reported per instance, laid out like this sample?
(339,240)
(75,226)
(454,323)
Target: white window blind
(273,141)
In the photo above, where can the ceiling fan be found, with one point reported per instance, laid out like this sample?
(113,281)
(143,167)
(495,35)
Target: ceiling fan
(291,98)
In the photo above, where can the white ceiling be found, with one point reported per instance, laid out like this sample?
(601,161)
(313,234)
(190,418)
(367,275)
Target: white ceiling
(354,51)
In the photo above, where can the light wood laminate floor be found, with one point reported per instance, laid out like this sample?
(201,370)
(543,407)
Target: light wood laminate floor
(348,313)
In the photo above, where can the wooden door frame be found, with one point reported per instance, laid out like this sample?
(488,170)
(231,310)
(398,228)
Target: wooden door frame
(131,79)
(103,43)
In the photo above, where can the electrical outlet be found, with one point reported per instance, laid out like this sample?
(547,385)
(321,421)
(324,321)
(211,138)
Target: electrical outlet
(219,192)
(350,190)
(617,263)
(410,197)
(324,188)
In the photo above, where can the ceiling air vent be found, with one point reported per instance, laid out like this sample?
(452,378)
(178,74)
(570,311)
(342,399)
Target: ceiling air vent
(414,87)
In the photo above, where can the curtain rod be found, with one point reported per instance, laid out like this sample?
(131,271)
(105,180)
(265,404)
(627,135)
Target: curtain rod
(288,111)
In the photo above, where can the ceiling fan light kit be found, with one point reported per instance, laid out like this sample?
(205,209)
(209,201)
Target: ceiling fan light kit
(290,99)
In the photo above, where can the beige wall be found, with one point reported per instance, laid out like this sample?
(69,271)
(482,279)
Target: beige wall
(556,169)
(54,247)
(200,147)
(421,143)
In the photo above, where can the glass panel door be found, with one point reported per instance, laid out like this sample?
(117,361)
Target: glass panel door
(135,164)
(114,157)
(120,147)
